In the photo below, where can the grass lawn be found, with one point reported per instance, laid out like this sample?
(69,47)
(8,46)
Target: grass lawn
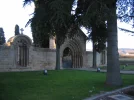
(129,67)
(57,85)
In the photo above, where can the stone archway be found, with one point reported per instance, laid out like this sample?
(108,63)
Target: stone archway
(21,45)
(76,56)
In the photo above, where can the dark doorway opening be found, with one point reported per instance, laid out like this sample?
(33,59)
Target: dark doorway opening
(67,58)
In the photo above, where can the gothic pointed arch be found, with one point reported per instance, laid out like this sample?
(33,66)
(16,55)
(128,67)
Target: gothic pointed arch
(76,57)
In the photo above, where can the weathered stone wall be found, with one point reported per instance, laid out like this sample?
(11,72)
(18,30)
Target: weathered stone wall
(39,59)
(52,44)
(89,59)
(98,59)
(11,57)
(6,57)
(42,58)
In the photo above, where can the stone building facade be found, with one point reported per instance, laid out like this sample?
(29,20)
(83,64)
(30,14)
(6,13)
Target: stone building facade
(19,54)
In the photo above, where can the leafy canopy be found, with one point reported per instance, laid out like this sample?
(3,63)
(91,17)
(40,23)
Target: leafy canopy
(51,18)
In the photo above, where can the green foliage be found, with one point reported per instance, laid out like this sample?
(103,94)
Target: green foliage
(125,10)
(51,18)
(17,30)
(2,36)
(26,2)
(91,11)
(72,85)
(99,36)
(40,33)
(57,15)
(129,67)
(92,15)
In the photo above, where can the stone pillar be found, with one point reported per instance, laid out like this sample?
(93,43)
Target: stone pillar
(79,60)
(52,44)
(72,60)
(76,59)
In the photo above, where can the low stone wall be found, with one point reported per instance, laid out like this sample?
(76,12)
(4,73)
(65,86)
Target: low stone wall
(6,57)
(38,59)
(89,59)
(42,58)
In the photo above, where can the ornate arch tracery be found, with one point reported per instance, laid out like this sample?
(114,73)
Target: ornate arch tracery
(76,53)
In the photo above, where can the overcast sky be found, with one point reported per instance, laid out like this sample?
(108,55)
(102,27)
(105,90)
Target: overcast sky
(12,12)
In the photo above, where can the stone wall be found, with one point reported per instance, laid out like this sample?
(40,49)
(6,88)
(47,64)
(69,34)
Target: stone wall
(89,59)
(39,59)
(28,57)
(6,58)
(42,58)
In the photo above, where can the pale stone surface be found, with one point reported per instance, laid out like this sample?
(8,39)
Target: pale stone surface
(52,44)
(120,97)
(113,95)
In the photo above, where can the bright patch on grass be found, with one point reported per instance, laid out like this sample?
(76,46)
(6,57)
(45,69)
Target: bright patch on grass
(57,85)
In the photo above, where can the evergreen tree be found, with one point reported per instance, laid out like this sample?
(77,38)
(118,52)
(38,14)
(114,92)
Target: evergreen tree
(17,30)
(2,37)
(125,11)
(57,15)
(56,19)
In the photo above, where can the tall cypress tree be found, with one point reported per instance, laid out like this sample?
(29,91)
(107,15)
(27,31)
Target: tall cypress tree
(2,37)
(17,32)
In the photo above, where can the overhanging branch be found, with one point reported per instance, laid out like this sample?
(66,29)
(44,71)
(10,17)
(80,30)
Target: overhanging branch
(125,30)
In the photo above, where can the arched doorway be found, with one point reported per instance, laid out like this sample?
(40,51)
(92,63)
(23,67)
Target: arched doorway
(74,54)
(67,58)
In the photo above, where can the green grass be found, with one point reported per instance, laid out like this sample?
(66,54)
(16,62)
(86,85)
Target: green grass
(129,67)
(57,85)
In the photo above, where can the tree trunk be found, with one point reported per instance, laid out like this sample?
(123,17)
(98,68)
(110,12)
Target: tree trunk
(113,76)
(94,56)
(57,54)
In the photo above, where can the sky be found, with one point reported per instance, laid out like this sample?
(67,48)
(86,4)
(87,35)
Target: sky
(12,12)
